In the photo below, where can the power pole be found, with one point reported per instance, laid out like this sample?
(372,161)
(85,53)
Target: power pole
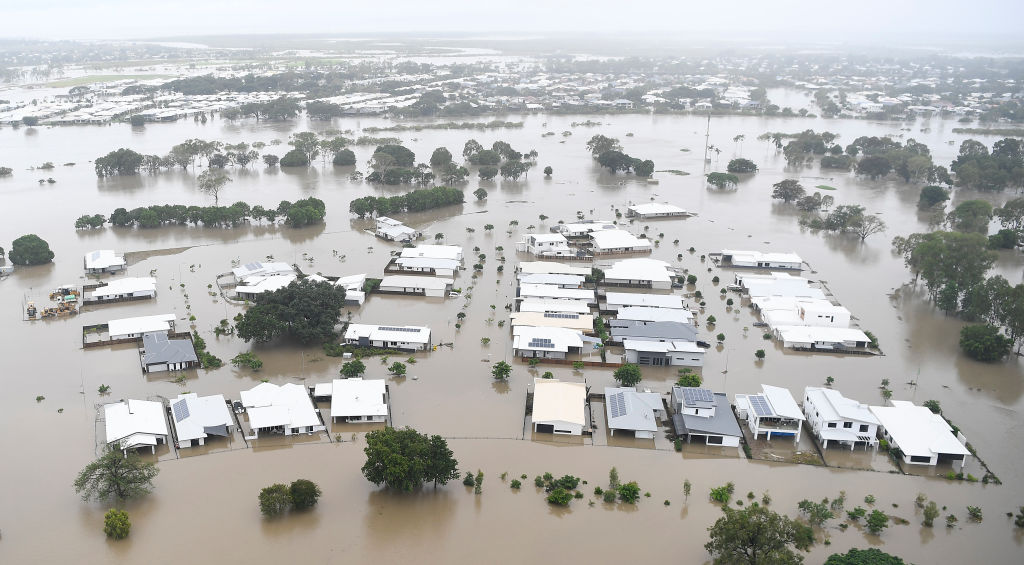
(707,136)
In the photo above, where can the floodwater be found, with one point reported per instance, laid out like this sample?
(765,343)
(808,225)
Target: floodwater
(207,498)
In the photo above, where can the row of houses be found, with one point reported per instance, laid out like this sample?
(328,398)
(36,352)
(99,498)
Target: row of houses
(603,240)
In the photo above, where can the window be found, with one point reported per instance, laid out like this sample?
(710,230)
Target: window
(920,459)
(715,440)
(831,424)
(847,425)
(863,427)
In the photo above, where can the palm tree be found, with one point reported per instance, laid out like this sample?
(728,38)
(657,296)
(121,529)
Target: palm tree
(438,236)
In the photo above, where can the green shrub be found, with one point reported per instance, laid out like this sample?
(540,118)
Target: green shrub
(116,524)
(275,499)
(559,497)
(305,494)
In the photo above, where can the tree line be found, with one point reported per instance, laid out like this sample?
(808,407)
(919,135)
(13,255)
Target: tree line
(415,201)
(295,214)
(608,152)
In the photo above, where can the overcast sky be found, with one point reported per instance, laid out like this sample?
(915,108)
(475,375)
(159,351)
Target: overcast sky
(937,20)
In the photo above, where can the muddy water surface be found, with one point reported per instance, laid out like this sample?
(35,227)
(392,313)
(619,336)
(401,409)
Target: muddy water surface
(453,393)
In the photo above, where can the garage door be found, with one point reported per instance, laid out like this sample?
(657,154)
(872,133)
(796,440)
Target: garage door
(545,428)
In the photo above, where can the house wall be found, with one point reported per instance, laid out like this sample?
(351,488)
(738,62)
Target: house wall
(720,440)
(561,428)
(687,359)
(540,353)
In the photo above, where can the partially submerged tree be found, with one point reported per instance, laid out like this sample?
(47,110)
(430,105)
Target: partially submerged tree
(403,459)
(116,475)
(754,536)
(788,190)
(628,374)
(30,250)
(211,182)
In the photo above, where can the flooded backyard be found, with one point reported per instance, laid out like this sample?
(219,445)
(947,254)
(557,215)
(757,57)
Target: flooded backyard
(449,390)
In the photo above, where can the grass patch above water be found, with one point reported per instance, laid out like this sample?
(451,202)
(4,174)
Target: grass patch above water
(825,187)
(674,172)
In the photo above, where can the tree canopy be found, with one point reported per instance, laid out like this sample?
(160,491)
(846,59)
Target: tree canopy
(415,201)
(116,475)
(722,180)
(628,374)
(741,166)
(403,459)
(984,343)
(119,162)
(754,535)
(304,310)
(971,216)
(599,144)
(788,190)
(976,167)
(30,249)
(870,556)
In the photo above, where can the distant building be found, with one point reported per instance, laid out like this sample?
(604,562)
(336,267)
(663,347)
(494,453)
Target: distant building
(258,269)
(104,261)
(393,230)
(759,260)
(655,210)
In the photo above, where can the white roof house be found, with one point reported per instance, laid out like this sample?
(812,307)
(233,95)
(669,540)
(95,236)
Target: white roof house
(135,423)
(103,261)
(652,314)
(126,287)
(545,267)
(778,284)
(414,338)
(255,285)
(197,417)
(559,407)
(428,265)
(572,321)
(410,284)
(628,409)
(434,252)
(582,229)
(822,338)
(617,300)
(564,281)
(394,230)
(552,292)
(287,408)
(618,241)
(554,343)
(353,285)
(757,259)
(793,311)
(545,245)
(773,412)
(134,327)
(262,269)
(356,400)
(663,353)
(655,210)
(924,438)
(568,306)
(649,273)
(835,418)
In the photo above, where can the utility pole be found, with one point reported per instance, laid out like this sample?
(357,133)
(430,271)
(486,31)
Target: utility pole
(707,136)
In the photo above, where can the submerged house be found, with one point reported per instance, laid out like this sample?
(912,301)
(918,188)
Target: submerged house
(652,314)
(704,415)
(353,285)
(255,285)
(629,410)
(546,245)
(554,306)
(655,210)
(124,288)
(919,435)
(415,285)
(559,280)
(433,266)
(285,409)
(759,260)
(453,252)
(545,342)
(774,412)
(393,230)
(640,273)
(549,268)
(261,269)
(822,338)
(790,311)
(580,322)
(607,242)
(615,301)
(663,353)
(777,284)
(161,353)
(197,417)
(131,424)
(559,407)
(104,261)
(554,292)
(356,400)
(126,328)
(583,229)
(405,338)
(833,417)
(621,330)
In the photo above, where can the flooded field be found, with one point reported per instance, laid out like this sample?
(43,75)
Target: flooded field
(450,391)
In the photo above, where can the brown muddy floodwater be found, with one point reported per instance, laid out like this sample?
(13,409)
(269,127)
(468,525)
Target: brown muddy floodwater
(205,501)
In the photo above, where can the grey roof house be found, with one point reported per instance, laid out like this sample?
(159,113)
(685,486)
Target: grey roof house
(160,353)
(704,415)
(651,331)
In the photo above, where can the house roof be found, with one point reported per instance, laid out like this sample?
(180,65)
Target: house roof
(128,417)
(161,349)
(257,268)
(617,239)
(656,331)
(833,406)
(412,281)
(532,267)
(434,252)
(258,284)
(386,221)
(805,334)
(270,405)
(778,284)
(408,334)
(782,402)
(351,282)
(550,278)
(126,285)
(102,259)
(639,269)
(197,417)
(679,346)
(558,401)
(581,322)
(552,291)
(427,263)
(723,422)
(586,227)
(546,339)
(639,299)
(358,397)
(396,231)
(539,305)
(628,409)
(655,208)
(757,256)
(140,324)
(918,431)
(547,237)
(651,314)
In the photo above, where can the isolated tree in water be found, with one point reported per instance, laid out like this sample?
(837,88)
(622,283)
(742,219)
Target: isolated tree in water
(211,182)
(628,374)
(116,476)
(755,536)
(404,459)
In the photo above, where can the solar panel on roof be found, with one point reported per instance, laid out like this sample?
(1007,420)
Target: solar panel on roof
(695,395)
(760,406)
(617,404)
(397,329)
(541,342)
(561,315)
(180,409)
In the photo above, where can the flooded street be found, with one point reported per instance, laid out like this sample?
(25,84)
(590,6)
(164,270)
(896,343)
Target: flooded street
(450,391)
